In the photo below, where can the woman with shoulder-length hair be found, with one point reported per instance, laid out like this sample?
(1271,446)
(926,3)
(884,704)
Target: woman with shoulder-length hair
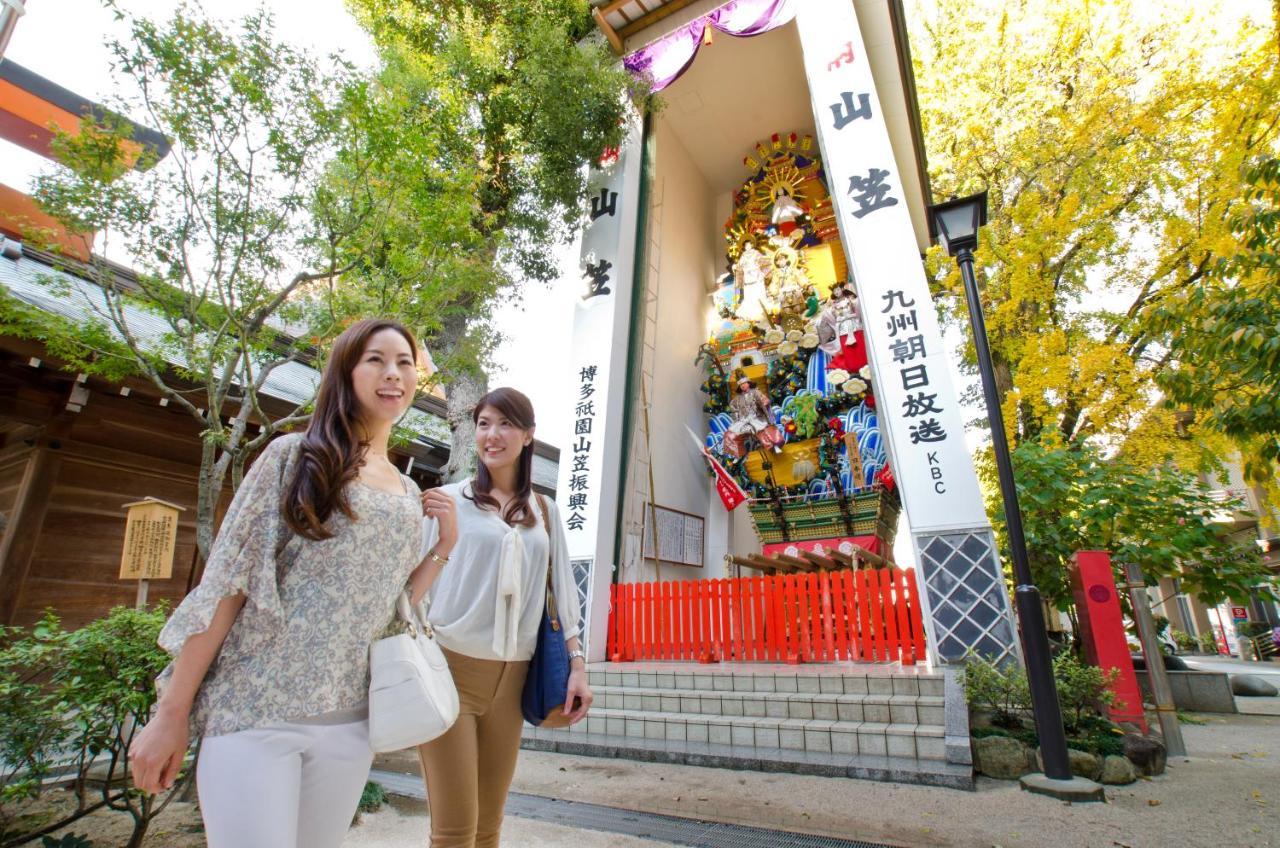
(486,609)
(272,648)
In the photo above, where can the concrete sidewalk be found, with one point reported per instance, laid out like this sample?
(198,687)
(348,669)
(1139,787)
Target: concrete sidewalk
(1226,793)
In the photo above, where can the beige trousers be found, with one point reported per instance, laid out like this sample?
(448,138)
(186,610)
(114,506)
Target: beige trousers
(468,770)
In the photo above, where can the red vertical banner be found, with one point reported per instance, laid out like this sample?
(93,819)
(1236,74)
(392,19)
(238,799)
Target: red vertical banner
(917,613)
(892,645)
(908,654)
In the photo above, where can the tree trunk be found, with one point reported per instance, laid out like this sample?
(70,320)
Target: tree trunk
(464,391)
(210,487)
(466,385)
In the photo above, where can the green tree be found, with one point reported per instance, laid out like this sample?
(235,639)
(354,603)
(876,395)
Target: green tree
(1224,332)
(1074,499)
(256,240)
(529,105)
(1110,136)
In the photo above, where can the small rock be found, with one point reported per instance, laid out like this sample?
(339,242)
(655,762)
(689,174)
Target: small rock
(1081,763)
(1117,771)
(1146,753)
(1000,757)
(1251,685)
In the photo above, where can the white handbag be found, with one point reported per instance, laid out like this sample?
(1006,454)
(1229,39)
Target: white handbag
(412,698)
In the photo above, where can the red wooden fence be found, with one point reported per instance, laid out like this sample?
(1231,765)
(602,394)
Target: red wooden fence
(869,615)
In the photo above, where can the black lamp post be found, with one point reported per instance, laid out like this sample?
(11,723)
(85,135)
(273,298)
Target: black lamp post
(956,224)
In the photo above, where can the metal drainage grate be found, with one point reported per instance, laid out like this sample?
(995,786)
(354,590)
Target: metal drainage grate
(671,829)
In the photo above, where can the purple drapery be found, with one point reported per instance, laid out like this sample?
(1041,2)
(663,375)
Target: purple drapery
(670,56)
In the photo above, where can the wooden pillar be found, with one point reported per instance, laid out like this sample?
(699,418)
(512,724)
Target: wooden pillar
(22,531)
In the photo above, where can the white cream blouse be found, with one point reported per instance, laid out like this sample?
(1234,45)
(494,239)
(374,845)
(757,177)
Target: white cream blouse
(488,601)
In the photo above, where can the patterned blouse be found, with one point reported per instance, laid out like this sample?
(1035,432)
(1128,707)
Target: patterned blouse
(299,648)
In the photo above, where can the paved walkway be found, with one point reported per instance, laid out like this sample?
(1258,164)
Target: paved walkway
(1226,793)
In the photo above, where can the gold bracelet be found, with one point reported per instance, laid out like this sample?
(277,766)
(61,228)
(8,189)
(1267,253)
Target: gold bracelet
(436,558)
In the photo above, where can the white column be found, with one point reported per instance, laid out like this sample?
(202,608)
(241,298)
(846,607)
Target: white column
(919,414)
(590,452)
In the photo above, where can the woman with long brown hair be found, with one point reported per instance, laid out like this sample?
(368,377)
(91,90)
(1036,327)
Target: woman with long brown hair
(272,648)
(486,609)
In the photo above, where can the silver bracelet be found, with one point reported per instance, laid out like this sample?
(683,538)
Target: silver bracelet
(576,654)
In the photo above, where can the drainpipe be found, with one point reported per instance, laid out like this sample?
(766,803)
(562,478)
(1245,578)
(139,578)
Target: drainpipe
(10,11)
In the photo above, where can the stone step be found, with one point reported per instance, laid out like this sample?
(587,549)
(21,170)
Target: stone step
(864,766)
(910,741)
(825,679)
(886,709)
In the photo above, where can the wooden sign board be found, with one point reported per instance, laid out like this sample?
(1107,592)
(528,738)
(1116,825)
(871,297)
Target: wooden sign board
(150,535)
(680,536)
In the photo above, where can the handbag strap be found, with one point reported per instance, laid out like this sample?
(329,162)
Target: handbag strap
(552,611)
(411,615)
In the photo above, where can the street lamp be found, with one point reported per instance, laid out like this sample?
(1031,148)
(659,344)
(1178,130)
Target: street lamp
(956,224)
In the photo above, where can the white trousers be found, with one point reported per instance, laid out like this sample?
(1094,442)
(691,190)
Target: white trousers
(284,785)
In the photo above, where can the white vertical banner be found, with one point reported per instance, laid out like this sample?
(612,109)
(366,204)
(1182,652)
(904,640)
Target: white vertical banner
(915,399)
(591,450)
(963,590)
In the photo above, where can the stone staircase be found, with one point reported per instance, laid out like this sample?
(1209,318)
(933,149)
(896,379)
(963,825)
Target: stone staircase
(871,721)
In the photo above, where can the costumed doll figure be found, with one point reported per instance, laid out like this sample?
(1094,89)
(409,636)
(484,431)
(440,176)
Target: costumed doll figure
(840,331)
(752,416)
(749,274)
(785,211)
(790,287)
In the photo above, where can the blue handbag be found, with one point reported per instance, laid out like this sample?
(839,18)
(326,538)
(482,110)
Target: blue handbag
(542,701)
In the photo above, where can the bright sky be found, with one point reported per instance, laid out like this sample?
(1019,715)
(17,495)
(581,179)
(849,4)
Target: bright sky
(65,41)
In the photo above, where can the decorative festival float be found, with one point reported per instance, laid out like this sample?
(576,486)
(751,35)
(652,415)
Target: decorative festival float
(793,442)
(789,392)
(788,556)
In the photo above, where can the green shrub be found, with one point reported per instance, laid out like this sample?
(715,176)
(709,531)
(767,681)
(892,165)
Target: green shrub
(69,840)
(1083,689)
(1002,690)
(34,721)
(1185,641)
(372,798)
(73,701)
(1208,642)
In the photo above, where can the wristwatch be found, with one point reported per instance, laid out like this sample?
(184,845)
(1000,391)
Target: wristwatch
(575,654)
